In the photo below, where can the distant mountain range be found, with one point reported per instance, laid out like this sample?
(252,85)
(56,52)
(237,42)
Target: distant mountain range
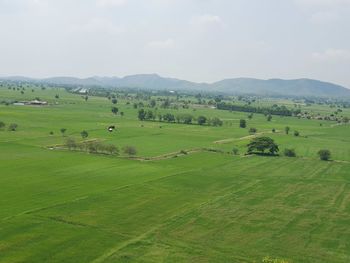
(235,86)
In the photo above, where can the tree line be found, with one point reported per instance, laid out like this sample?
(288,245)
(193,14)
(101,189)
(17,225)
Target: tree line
(149,115)
(274,110)
(98,147)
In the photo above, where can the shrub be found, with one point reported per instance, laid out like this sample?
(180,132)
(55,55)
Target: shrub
(2,125)
(253,130)
(84,134)
(13,127)
(289,153)
(235,151)
(242,123)
(296,133)
(71,144)
(324,154)
(129,150)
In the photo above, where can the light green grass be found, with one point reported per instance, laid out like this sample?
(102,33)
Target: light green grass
(61,206)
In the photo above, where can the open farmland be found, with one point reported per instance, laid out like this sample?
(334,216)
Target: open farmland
(205,205)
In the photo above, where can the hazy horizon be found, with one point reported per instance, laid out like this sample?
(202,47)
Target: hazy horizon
(199,41)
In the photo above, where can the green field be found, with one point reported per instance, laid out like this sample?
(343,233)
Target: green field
(58,205)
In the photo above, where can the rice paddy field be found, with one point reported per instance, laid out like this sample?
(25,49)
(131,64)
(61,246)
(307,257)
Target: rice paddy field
(58,205)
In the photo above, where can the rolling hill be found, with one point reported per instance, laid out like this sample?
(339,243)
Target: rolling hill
(271,87)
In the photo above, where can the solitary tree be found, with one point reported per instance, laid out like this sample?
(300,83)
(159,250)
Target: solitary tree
(129,150)
(289,152)
(269,117)
(242,123)
(262,144)
(84,134)
(2,125)
(115,110)
(252,130)
(296,133)
(286,129)
(63,131)
(13,127)
(114,101)
(324,154)
(235,150)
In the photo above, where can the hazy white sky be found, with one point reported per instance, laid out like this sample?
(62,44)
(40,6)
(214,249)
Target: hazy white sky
(199,40)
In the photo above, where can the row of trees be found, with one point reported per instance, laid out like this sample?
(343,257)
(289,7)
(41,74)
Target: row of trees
(274,110)
(185,118)
(98,147)
(266,145)
(11,127)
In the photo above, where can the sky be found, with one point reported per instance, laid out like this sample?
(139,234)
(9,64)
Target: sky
(197,40)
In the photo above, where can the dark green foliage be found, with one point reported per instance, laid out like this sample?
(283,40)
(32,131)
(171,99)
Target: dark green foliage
(63,130)
(115,110)
(129,150)
(2,125)
(242,123)
(235,151)
(287,129)
(324,154)
(253,130)
(269,117)
(141,115)
(84,134)
(114,101)
(296,133)
(262,144)
(215,122)
(13,127)
(201,120)
(289,152)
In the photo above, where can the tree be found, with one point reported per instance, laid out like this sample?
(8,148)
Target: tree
(296,133)
(324,154)
(253,130)
(84,134)
(153,103)
(13,127)
(269,117)
(57,96)
(142,115)
(242,123)
(115,110)
(86,98)
(169,117)
(261,144)
(201,120)
(235,150)
(273,130)
(122,113)
(71,144)
(2,125)
(63,131)
(129,150)
(286,129)
(289,152)
(112,149)
(216,122)
(51,132)
(114,101)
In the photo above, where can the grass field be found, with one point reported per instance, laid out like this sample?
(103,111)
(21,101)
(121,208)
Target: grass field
(66,206)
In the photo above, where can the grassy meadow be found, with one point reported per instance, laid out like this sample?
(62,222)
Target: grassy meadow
(58,205)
